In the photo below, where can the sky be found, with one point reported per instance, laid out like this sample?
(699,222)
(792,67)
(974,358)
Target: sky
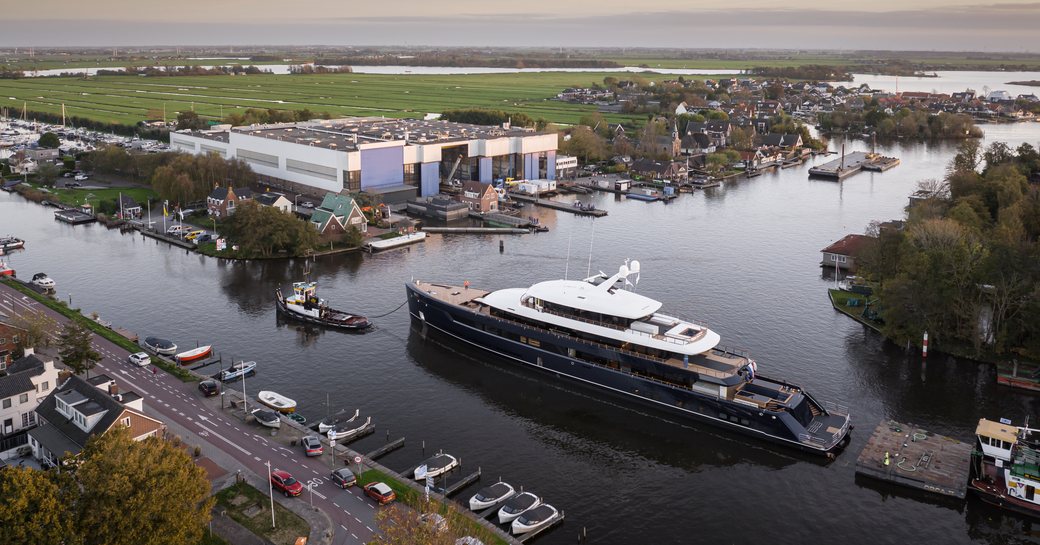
(796,24)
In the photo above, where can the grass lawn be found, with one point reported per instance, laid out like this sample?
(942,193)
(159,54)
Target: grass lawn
(78,196)
(840,300)
(288,525)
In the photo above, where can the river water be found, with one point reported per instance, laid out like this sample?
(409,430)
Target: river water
(744,258)
(427,70)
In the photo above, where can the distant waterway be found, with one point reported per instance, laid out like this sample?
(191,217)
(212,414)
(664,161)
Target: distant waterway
(743,258)
(949,82)
(427,70)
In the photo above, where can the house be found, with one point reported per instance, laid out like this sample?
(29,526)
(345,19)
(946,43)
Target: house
(337,213)
(77,411)
(697,142)
(222,200)
(28,380)
(661,170)
(717,131)
(275,200)
(843,254)
(10,334)
(784,141)
(43,155)
(128,207)
(480,197)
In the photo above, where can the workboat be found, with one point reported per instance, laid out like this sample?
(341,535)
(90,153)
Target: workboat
(276,401)
(5,270)
(331,422)
(488,496)
(516,505)
(304,304)
(41,280)
(270,419)
(162,347)
(196,354)
(599,334)
(535,519)
(237,370)
(347,430)
(435,466)
(1006,468)
(11,243)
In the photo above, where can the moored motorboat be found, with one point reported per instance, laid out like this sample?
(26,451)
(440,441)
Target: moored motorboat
(268,418)
(331,422)
(41,280)
(346,431)
(159,346)
(5,270)
(1006,468)
(516,505)
(195,354)
(535,519)
(236,371)
(304,304)
(11,243)
(488,496)
(435,466)
(276,401)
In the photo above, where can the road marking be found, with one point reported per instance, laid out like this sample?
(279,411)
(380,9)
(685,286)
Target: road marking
(358,520)
(225,439)
(370,529)
(136,387)
(257,458)
(336,504)
(344,528)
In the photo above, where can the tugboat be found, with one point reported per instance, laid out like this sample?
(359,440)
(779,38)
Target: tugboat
(1007,473)
(304,304)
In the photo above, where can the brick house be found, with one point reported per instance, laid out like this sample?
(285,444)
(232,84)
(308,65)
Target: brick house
(336,214)
(480,197)
(10,335)
(223,200)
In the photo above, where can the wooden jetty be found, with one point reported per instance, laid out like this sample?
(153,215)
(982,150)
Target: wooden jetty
(206,363)
(906,455)
(596,212)
(385,449)
(477,230)
(453,488)
(176,241)
(851,163)
(502,219)
(73,216)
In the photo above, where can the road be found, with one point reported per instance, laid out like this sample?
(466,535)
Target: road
(352,514)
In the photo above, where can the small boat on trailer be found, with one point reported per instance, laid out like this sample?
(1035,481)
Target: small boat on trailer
(267,418)
(346,431)
(236,371)
(159,346)
(331,422)
(196,354)
(435,466)
(1007,473)
(516,506)
(276,401)
(304,304)
(535,519)
(488,496)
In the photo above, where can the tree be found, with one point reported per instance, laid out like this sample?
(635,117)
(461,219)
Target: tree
(47,173)
(140,492)
(352,237)
(741,139)
(586,144)
(190,120)
(36,328)
(36,509)
(49,140)
(264,231)
(402,526)
(75,348)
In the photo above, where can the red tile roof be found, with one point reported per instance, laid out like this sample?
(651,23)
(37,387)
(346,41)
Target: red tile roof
(851,245)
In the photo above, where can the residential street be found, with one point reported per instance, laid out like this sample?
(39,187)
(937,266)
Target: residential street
(226,439)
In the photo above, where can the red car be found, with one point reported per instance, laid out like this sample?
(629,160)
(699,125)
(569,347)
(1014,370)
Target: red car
(380,492)
(286,483)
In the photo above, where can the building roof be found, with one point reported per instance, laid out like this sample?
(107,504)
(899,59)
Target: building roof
(480,188)
(269,199)
(335,204)
(220,193)
(781,140)
(19,376)
(75,390)
(850,245)
(126,201)
(996,430)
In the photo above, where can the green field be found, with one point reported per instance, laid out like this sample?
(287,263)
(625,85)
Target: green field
(129,99)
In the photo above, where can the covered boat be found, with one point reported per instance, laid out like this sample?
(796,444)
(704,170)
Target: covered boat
(162,347)
(11,243)
(41,280)
(304,304)
(267,418)
(236,371)
(516,505)
(535,519)
(488,496)
(347,430)
(337,419)
(196,354)
(276,401)
(436,466)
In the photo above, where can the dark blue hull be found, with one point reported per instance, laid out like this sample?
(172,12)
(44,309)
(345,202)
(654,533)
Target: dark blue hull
(620,374)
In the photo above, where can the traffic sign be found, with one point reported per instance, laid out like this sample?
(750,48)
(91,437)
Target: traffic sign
(357,459)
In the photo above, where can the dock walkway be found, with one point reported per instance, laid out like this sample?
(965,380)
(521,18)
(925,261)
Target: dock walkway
(596,212)
(906,455)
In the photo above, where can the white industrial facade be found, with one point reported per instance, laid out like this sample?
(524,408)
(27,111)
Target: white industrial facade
(378,155)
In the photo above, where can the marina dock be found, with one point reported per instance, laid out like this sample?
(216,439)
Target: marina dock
(176,241)
(477,230)
(909,456)
(851,163)
(73,216)
(388,243)
(581,211)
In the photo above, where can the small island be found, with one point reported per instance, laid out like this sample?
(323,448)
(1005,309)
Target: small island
(1030,83)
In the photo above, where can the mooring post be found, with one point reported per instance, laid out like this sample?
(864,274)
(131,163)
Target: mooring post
(924,346)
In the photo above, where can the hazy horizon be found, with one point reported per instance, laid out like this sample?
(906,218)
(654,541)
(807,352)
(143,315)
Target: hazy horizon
(926,25)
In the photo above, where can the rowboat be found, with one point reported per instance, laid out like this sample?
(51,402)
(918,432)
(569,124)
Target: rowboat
(199,353)
(236,371)
(276,401)
(162,347)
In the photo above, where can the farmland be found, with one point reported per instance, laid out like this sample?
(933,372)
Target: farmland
(129,99)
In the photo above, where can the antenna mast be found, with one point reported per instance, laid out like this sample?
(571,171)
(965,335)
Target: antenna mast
(588,272)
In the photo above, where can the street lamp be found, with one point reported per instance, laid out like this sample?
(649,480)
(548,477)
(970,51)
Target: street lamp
(270,491)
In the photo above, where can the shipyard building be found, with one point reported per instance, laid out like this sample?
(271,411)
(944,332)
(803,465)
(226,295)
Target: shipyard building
(396,158)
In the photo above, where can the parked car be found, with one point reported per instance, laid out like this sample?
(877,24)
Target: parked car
(192,235)
(140,359)
(178,229)
(307,204)
(285,483)
(344,478)
(204,237)
(209,388)
(380,492)
(73,184)
(312,445)
(81,177)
